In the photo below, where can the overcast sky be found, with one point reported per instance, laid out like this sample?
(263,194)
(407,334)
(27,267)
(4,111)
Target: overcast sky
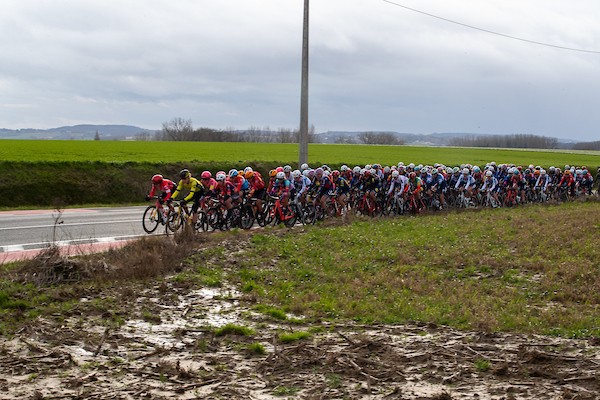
(237,63)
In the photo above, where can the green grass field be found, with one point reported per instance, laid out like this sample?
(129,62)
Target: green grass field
(240,154)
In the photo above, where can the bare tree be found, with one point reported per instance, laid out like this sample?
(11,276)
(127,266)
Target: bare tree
(379,138)
(177,129)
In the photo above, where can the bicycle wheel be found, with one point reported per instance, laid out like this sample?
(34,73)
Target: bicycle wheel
(246,217)
(151,219)
(308,214)
(176,219)
(290,217)
(202,222)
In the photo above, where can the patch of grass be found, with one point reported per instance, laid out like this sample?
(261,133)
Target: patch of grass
(482,365)
(528,269)
(272,312)
(233,329)
(285,391)
(294,336)
(256,349)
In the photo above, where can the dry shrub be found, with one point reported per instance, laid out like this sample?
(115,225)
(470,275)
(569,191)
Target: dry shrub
(148,258)
(141,259)
(49,267)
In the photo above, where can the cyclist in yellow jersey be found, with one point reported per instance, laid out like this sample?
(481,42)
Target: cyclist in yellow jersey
(194,188)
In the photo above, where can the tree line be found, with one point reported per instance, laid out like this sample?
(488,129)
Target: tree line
(506,141)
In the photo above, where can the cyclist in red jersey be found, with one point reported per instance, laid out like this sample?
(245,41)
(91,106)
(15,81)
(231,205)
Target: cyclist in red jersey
(225,189)
(165,187)
(257,187)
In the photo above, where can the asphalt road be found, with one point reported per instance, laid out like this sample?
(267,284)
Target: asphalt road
(36,229)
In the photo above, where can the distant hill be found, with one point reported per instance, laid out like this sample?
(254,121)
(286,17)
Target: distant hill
(78,132)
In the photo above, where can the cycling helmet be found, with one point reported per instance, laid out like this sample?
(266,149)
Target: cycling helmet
(411,165)
(356,170)
(319,171)
(567,172)
(272,173)
(306,172)
(248,174)
(488,173)
(325,167)
(434,171)
(476,169)
(364,171)
(552,169)
(465,171)
(184,173)
(417,168)
(279,169)
(311,173)
(344,168)
(367,172)
(157,179)
(221,176)
(335,173)
(368,166)
(386,170)
(206,175)
(247,169)
(543,172)
(585,171)
(287,169)
(296,173)
(395,174)
(233,173)
(536,172)
(455,170)
(373,171)
(326,173)
(280,175)
(400,164)
(516,171)
(304,166)
(567,167)
(412,175)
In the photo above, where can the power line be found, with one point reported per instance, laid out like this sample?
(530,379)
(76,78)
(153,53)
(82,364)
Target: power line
(492,32)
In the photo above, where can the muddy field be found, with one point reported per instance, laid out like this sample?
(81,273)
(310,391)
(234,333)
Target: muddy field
(166,348)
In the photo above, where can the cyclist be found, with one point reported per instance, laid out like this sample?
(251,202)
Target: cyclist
(323,186)
(225,189)
(567,182)
(398,184)
(465,182)
(542,183)
(301,186)
(490,183)
(342,188)
(439,186)
(415,188)
(240,186)
(281,188)
(193,187)
(371,184)
(257,187)
(165,187)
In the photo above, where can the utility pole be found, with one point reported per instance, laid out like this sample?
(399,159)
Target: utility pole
(303,134)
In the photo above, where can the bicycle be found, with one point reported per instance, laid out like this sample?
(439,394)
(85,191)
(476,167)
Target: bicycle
(395,204)
(154,215)
(278,213)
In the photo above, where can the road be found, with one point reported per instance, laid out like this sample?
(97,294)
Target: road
(25,232)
